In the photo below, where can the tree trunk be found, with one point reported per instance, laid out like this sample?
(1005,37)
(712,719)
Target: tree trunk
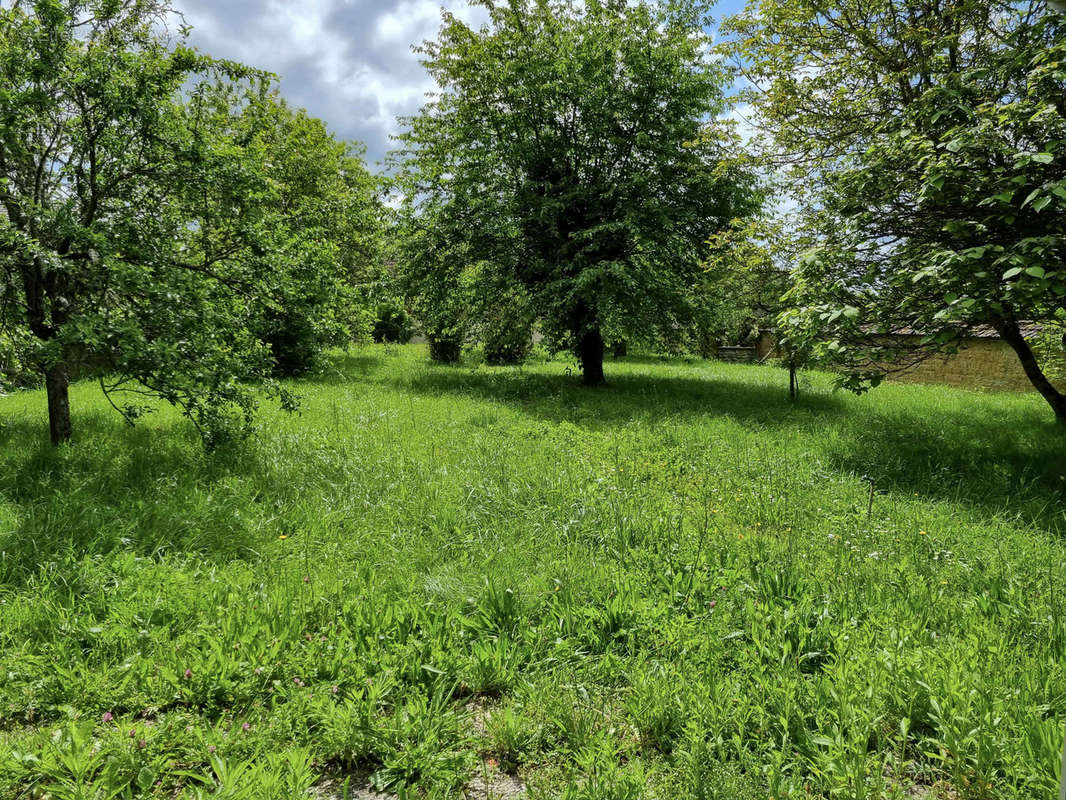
(57,384)
(1012,335)
(590,354)
(793,379)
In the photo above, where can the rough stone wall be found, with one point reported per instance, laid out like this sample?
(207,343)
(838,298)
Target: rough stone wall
(988,364)
(737,355)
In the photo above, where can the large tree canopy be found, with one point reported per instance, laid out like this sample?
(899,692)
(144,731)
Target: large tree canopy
(572,149)
(155,204)
(925,142)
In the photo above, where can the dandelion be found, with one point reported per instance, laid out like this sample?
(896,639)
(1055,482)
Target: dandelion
(921,533)
(284,536)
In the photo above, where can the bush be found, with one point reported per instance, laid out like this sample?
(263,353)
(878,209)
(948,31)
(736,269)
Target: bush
(507,333)
(508,341)
(445,348)
(392,325)
(295,341)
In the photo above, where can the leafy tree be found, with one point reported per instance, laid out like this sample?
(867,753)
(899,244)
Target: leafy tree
(926,147)
(749,277)
(328,202)
(570,148)
(143,231)
(437,278)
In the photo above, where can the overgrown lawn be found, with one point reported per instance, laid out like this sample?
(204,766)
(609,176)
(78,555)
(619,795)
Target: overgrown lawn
(670,587)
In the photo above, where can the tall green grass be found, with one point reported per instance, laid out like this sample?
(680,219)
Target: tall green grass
(671,587)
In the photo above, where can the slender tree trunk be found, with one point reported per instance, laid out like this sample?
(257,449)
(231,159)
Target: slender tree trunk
(57,385)
(793,379)
(1012,335)
(590,353)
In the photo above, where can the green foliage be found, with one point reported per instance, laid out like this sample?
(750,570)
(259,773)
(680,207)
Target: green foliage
(673,589)
(159,207)
(1050,348)
(929,163)
(327,200)
(507,331)
(446,344)
(15,373)
(392,324)
(569,153)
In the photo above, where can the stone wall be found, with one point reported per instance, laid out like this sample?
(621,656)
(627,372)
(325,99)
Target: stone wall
(988,364)
(736,355)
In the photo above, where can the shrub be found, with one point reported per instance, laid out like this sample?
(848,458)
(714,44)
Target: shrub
(508,340)
(507,332)
(295,341)
(445,347)
(392,325)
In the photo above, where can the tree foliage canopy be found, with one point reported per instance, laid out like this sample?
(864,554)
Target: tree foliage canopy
(925,143)
(156,203)
(572,149)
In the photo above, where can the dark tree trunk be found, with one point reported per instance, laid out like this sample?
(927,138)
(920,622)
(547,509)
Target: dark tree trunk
(793,380)
(57,385)
(1012,335)
(590,353)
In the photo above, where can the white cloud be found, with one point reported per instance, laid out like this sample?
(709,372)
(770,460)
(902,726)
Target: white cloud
(349,62)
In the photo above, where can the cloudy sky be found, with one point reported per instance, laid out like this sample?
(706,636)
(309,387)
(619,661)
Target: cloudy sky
(348,62)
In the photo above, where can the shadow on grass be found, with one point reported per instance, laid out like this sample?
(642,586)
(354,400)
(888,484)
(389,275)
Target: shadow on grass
(143,489)
(1012,467)
(627,397)
(344,366)
(998,460)
(153,490)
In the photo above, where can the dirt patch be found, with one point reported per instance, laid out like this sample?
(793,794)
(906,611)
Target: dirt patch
(495,785)
(491,784)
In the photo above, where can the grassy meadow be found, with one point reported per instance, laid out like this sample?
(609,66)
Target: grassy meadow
(494,582)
